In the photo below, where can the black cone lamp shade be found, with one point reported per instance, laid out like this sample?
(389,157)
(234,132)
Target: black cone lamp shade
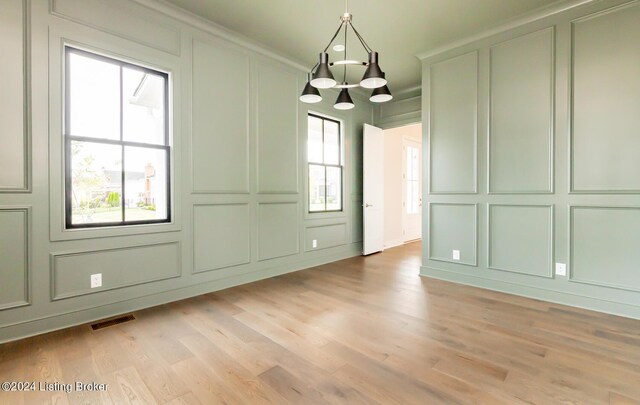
(310,94)
(344,101)
(373,77)
(323,78)
(381,94)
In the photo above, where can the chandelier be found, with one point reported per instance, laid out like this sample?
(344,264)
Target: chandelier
(321,76)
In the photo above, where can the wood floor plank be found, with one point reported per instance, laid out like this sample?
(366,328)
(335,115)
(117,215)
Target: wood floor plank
(365,330)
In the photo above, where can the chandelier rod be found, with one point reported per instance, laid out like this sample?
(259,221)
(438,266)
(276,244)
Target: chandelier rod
(346,28)
(362,41)
(334,35)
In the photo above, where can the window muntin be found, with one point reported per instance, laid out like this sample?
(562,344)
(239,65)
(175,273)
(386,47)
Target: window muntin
(117,151)
(324,154)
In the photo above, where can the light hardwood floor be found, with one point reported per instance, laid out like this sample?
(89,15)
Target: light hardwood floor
(362,330)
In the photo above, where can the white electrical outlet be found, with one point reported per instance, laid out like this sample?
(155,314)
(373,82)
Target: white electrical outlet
(456,255)
(314,243)
(96,280)
(561,269)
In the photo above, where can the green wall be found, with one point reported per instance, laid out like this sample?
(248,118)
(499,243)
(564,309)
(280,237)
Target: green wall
(532,151)
(239,167)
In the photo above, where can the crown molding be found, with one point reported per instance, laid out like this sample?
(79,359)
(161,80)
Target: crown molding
(536,15)
(409,92)
(218,30)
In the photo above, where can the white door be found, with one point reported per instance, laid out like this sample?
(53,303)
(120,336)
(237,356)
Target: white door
(411,190)
(373,189)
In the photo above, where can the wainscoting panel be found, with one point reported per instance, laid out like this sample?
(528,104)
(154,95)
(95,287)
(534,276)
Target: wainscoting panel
(221,236)
(278,233)
(453,125)
(521,114)
(604,245)
(326,236)
(277,166)
(521,239)
(120,267)
(14,257)
(606,95)
(220,117)
(13,112)
(453,226)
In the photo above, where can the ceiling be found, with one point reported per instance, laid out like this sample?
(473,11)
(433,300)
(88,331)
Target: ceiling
(397,29)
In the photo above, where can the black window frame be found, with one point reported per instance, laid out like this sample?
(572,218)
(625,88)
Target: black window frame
(325,165)
(69,138)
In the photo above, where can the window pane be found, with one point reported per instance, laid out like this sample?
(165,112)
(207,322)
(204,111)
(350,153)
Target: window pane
(143,107)
(331,143)
(334,188)
(96,180)
(314,145)
(93,97)
(316,188)
(145,184)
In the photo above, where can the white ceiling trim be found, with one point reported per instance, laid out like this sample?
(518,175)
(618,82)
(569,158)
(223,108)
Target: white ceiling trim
(526,19)
(211,27)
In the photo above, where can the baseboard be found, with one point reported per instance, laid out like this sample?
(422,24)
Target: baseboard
(52,323)
(564,298)
(393,243)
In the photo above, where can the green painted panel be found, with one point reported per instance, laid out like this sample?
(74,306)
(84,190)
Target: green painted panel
(221,236)
(453,227)
(14,265)
(277,230)
(326,236)
(12,152)
(521,239)
(606,96)
(121,267)
(220,117)
(520,152)
(277,130)
(453,125)
(604,246)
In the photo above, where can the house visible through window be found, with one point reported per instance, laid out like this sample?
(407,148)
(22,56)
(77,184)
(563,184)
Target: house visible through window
(325,164)
(116,142)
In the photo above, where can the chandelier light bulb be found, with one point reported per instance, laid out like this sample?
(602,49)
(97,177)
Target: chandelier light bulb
(323,78)
(373,77)
(310,94)
(344,102)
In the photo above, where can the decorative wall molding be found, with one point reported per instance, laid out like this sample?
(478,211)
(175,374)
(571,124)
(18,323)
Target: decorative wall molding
(243,261)
(56,257)
(429,130)
(571,240)
(475,232)
(26,108)
(26,211)
(552,105)
(550,242)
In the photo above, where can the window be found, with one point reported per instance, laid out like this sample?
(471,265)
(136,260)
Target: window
(116,138)
(325,164)
(413,181)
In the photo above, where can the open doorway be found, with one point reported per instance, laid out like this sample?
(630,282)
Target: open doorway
(402,185)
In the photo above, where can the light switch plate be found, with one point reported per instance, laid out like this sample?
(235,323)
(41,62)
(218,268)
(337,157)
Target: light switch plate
(561,269)
(456,255)
(96,280)
(314,243)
